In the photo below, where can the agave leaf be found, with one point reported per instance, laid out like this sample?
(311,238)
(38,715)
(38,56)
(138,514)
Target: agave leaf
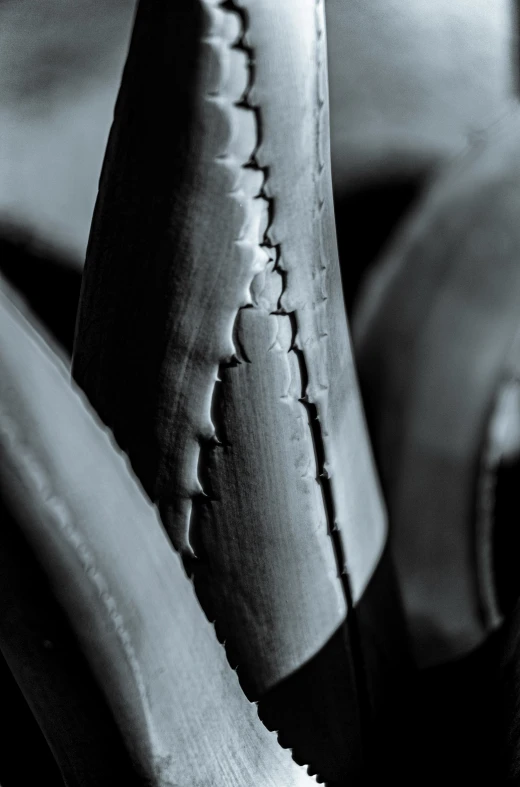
(58,687)
(212,339)
(179,707)
(435,345)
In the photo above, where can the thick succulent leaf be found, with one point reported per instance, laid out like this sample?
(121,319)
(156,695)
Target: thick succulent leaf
(179,707)
(212,307)
(434,336)
(57,686)
(212,337)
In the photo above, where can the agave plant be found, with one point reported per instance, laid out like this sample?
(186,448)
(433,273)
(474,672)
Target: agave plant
(212,341)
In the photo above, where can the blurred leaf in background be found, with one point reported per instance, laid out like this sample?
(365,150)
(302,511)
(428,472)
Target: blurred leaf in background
(60,65)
